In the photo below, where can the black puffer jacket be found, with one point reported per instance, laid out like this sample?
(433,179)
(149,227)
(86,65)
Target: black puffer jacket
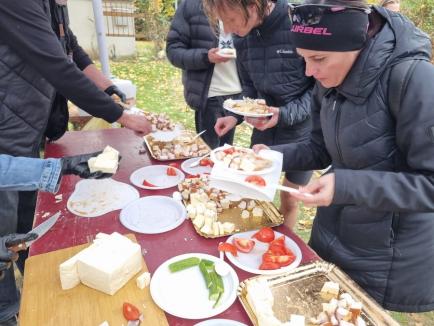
(270,69)
(189,39)
(380,226)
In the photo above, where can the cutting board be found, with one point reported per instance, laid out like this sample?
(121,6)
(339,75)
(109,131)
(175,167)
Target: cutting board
(44,302)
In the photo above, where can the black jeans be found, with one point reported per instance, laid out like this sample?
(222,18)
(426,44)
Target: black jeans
(206,119)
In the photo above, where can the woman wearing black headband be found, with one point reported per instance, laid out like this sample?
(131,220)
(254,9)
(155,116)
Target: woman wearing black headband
(270,69)
(373,122)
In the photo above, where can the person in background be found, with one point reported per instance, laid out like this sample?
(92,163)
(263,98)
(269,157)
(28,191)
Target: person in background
(373,122)
(392,5)
(26,174)
(270,69)
(34,67)
(208,77)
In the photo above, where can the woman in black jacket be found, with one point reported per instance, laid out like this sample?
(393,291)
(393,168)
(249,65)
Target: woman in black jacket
(373,121)
(270,69)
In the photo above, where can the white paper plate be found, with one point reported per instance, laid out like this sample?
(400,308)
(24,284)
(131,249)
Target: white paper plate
(153,214)
(220,163)
(167,136)
(245,114)
(250,262)
(185,166)
(93,198)
(184,294)
(156,175)
(220,322)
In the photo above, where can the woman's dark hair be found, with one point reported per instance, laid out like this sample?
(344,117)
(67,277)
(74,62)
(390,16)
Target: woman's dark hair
(212,6)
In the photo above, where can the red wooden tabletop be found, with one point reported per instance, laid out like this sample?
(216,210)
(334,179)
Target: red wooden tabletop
(71,230)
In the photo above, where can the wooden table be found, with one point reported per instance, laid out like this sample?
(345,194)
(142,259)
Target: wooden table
(71,230)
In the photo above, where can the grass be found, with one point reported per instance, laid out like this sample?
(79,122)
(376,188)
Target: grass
(159,89)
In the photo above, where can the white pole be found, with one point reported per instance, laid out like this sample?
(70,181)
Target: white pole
(100,35)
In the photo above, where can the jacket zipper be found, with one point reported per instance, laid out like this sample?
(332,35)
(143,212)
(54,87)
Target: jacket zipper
(338,115)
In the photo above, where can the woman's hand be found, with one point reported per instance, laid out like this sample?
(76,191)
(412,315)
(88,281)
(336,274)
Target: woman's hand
(265,123)
(224,124)
(259,147)
(322,191)
(213,57)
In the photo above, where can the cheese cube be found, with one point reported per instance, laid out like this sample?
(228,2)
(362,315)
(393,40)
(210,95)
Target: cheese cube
(69,277)
(228,227)
(110,264)
(199,221)
(143,280)
(257,212)
(329,291)
(106,162)
(245,214)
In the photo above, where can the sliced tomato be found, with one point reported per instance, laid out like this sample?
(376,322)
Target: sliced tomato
(171,171)
(206,162)
(148,184)
(130,311)
(268,266)
(285,260)
(266,234)
(229,150)
(243,245)
(193,176)
(276,249)
(280,241)
(256,180)
(289,252)
(227,247)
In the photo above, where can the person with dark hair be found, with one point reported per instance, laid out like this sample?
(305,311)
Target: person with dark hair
(392,5)
(270,69)
(373,122)
(209,77)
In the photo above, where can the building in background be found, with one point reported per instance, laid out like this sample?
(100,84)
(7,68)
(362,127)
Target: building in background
(119,26)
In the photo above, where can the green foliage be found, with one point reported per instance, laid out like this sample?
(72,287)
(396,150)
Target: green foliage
(421,12)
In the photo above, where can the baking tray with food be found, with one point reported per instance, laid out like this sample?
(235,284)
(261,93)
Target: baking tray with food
(314,294)
(183,147)
(215,213)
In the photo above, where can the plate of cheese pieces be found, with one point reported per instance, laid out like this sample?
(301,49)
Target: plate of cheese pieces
(186,286)
(247,107)
(241,160)
(153,214)
(155,177)
(278,256)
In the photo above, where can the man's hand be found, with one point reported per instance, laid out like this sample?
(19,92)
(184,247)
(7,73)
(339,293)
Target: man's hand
(113,89)
(322,191)
(224,124)
(265,123)
(135,122)
(78,165)
(9,246)
(213,57)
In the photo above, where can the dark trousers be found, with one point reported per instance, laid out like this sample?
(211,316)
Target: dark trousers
(206,119)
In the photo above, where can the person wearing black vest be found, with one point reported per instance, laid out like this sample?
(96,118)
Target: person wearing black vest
(270,69)
(373,121)
(33,68)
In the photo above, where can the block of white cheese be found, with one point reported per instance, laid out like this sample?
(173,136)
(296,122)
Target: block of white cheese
(106,162)
(107,265)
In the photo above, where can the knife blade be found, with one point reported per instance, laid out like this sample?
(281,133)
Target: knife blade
(42,228)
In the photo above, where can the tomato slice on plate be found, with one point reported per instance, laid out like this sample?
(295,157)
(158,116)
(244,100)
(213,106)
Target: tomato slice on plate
(148,184)
(227,247)
(266,234)
(243,245)
(256,180)
(276,249)
(171,171)
(268,266)
(229,150)
(130,311)
(206,162)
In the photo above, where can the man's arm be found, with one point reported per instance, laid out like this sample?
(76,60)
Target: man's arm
(25,28)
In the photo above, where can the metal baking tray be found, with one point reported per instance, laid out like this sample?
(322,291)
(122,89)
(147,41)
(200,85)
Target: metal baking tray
(298,292)
(271,217)
(149,143)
